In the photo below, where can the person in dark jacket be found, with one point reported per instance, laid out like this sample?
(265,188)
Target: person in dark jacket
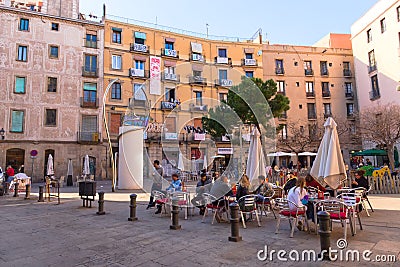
(290,183)
(360,180)
(203,186)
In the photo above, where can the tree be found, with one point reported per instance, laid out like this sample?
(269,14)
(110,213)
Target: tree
(381,125)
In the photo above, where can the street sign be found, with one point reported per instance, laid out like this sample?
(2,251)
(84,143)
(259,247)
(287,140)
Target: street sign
(34,153)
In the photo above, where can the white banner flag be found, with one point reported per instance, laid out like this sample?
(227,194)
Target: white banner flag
(155,75)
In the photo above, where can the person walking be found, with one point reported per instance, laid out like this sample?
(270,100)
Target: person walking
(157,182)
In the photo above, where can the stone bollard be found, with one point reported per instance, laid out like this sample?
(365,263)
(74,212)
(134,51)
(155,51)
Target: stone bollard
(101,204)
(16,190)
(324,234)
(6,188)
(27,191)
(41,199)
(175,215)
(234,219)
(132,216)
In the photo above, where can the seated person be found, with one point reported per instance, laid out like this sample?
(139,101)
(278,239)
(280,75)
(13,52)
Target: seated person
(310,181)
(176,185)
(296,195)
(263,190)
(290,183)
(10,173)
(243,188)
(220,189)
(203,186)
(360,180)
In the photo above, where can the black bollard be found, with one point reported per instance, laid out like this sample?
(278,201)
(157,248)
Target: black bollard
(101,204)
(324,234)
(132,206)
(16,190)
(41,199)
(27,191)
(6,188)
(175,215)
(234,207)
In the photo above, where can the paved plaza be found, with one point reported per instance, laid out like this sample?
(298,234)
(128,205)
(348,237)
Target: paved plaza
(47,234)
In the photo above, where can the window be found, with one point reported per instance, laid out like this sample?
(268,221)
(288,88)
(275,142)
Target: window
(369,36)
(283,132)
(249,56)
(17,121)
(89,93)
(348,88)
(383,25)
(91,40)
(223,97)
(196,73)
(309,87)
(375,84)
(54,26)
(139,41)
(398,13)
(116,62)
(89,127)
(371,59)
(346,65)
(279,66)
(280,86)
(53,53)
(24,24)
(223,74)
(199,98)
(312,114)
(115,123)
(170,94)
(116,35)
(51,84)
(22,53)
(249,74)
(20,83)
(325,86)
(327,109)
(116,91)
(324,68)
(51,117)
(138,92)
(91,63)
(139,65)
(222,52)
(312,131)
(350,109)
(169,45)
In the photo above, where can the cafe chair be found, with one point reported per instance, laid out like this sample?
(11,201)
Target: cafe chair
(160,199)
(247,205)
(293,215)
(352,202)
(338,212)
(183,200)
(213,204)
(365,198)
(266,203)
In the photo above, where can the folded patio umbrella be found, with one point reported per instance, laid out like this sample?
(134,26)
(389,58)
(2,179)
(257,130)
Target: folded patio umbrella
(255,161)
(50,166)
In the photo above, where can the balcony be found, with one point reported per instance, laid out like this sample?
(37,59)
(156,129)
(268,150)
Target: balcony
(166,105)
(170,77)
(326,93)
(372,68)
(310,94)
(374,94)
(279,71)
(89,103)
(308,72)
(153,137)
(223,60)
(90,72)
(347,73)
(223,82)
(197,80)
(90,44)
(169,53)
(312,116)
(139,48)
(138,73)
(88,137)
(203,108)
(249,62)
(349,95)
(197,57)
(324,72)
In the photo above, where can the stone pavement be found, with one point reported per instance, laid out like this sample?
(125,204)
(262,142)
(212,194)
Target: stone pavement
(47,234)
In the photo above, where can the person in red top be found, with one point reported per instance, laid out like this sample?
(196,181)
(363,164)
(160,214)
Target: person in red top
(310,181)
(10,173)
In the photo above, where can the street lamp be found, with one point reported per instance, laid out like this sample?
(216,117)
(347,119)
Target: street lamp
(2,132)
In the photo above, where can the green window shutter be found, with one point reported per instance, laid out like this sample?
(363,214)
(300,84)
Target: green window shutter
(116,29)
(17,121)
(90,87)
(140,35)
(20,84)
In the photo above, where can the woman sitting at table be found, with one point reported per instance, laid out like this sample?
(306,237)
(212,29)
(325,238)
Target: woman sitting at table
(310,181)
(298,195)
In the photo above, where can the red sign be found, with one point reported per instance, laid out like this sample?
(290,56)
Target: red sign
(34,153)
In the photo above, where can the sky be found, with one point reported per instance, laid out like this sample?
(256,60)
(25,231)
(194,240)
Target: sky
(292,22)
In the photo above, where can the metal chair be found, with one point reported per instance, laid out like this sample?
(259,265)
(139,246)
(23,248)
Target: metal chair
(183,200)
(212,203)
(352,201)
(338,211)
(247,205)
(160,199)
(266,203)
(292,214)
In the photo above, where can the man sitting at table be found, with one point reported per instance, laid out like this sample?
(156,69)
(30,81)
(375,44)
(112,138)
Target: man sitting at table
(176,185)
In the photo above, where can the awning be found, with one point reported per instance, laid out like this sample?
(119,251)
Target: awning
(170,40)
(139,58)
(168,63)
(89,87)
(116,29)
(196,47)
(140,35)
(371,152)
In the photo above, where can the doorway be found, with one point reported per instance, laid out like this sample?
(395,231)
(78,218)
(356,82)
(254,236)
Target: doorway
(15,157)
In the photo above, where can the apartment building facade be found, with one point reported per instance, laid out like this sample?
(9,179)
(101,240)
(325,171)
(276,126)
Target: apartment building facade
(319,82)
(194,74)
(376,50)
(50,80)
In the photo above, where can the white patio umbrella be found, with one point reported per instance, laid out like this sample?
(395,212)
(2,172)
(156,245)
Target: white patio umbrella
(255,160)
(50,166)
(281,154)
(328,166)
(70,169)
(181,166)
(205,163)
(86,167)
(194,167)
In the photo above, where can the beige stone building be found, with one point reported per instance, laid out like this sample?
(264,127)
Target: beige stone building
(51,80)
(320,82)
